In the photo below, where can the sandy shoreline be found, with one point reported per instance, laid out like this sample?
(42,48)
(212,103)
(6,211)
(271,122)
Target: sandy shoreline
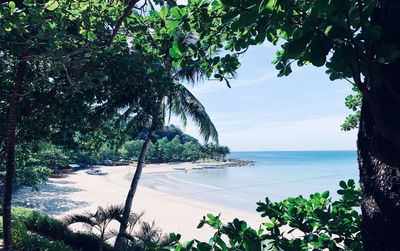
(80,191)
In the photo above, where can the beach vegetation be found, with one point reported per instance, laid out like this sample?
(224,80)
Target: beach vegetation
(35,231)
(99,221)
(298,223)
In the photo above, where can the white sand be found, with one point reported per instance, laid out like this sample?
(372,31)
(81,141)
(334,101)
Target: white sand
(171,213)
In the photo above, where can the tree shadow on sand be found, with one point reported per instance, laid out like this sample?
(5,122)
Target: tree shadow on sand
(52,197)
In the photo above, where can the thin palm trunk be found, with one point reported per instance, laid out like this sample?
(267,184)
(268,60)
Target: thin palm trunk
(10,154)
(101,241)
(119,243)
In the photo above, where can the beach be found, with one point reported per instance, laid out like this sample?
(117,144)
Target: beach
(80,192)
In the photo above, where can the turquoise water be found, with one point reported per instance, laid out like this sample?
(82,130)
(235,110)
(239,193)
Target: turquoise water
(276,175)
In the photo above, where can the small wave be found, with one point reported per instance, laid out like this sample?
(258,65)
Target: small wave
(193,183)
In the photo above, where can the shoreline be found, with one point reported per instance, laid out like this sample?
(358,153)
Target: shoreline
(80,191)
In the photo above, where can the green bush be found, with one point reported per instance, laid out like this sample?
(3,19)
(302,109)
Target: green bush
(316,223)
(32,230)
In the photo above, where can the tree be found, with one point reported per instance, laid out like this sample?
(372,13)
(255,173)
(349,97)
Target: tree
(191,151)
(357,41)
(185,54)
(98,220)
(58,62)
(133,148)
(183,104)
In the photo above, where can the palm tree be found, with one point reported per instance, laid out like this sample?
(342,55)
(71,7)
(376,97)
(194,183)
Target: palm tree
(181,102)
(99,220)
(147,235)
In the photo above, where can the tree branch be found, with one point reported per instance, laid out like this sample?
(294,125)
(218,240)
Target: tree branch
(127,12)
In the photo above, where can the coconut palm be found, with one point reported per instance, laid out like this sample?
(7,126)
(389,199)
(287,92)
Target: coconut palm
(180,102)
(98,220)
(141,235)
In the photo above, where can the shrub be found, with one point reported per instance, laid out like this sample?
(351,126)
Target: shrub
(320,224)
(32,230)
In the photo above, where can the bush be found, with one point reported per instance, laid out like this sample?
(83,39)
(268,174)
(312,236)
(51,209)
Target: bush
(32,230)
(29,241)
(317,223)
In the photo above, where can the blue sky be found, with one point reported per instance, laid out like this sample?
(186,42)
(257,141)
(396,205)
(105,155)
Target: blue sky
(263,112)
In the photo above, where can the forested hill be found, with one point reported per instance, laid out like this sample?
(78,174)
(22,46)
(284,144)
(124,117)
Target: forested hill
(170,132)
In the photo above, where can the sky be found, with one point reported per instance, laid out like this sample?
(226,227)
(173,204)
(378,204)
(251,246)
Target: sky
(261,111)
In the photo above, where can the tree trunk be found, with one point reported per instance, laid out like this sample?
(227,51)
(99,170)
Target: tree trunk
(119,242)
(101,241)
(378,150)
(380,183)
(10,154)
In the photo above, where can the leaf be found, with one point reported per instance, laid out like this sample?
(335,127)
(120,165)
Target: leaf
(325,194)
(175,52)
(229,16)
(51,5)
(327,30)
(11,4)
(270,5)
(171,25)
(320,47)
(177,13)
(343,184)
(297,46)
(163,12)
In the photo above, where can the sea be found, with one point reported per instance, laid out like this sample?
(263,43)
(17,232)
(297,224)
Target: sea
(274,174)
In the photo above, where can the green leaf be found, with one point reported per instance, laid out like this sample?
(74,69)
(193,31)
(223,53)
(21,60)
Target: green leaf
(177,12)
(171,25)
(11,4)
(163,12)
(51,5)
(297,46)
(327,30)
(271,5)
(175,52)
(325,194)
(320,47)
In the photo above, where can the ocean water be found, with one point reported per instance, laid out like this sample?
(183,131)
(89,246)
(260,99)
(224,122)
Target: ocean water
(276,175)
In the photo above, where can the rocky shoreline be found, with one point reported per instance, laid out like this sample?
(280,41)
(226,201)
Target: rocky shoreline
(231,163)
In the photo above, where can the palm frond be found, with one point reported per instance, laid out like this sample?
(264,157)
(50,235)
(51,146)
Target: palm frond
(136,124)
(113,212)
(149,233)
(134,218)
(85,218)
(191,74)
(186,104)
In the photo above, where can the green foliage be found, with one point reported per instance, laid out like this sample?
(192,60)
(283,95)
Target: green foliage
(353,102)
(26,239)
(32,176)
(169,144)
(317,223)
(35,231)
